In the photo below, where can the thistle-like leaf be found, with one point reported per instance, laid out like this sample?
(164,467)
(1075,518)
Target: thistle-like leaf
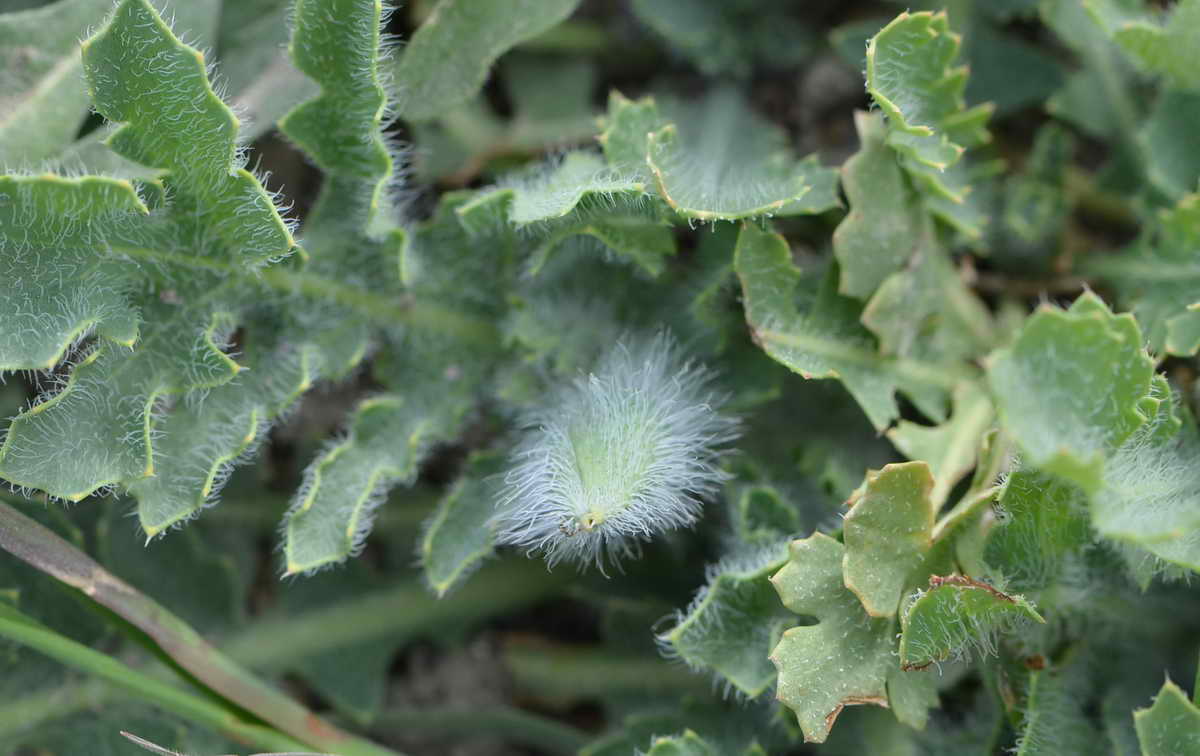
(121,263)
(458,537)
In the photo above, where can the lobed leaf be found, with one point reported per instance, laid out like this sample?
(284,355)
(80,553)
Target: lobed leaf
(715,159)
(332,512)
(845,658)
(1157,277)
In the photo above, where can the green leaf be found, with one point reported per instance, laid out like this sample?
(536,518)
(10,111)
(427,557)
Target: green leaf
(1162,48)
(825,338)
(265,82)
(718,160)
(332,513)
(1157,278)
(44,99)
(577,196)
(551,108)
(1040,521)
(1073,387)
(887,533)
(1170,146)
(733,623)
(1053,719)
(214,221)
(730,37)
(1150,497)
(687,744)
(1170,726)
(459,536)
(845,658)
(909,75)
(884,226)
(949,448)
(471,37)
(340,129)
(957,612)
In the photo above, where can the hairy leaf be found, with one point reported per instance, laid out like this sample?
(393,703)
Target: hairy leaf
(733,623)
(1040,521)
(909,75)
(1073,387)
(715,159)
(459,535)
(954,613)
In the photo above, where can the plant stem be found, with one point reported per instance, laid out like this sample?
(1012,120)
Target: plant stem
(24,630)
(570,674)
(44,550)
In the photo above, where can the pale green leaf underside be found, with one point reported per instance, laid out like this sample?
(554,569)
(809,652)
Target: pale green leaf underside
(957,613)
(826,340)
(949,448)
(1171,726)
(1165,46)
(447,60)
